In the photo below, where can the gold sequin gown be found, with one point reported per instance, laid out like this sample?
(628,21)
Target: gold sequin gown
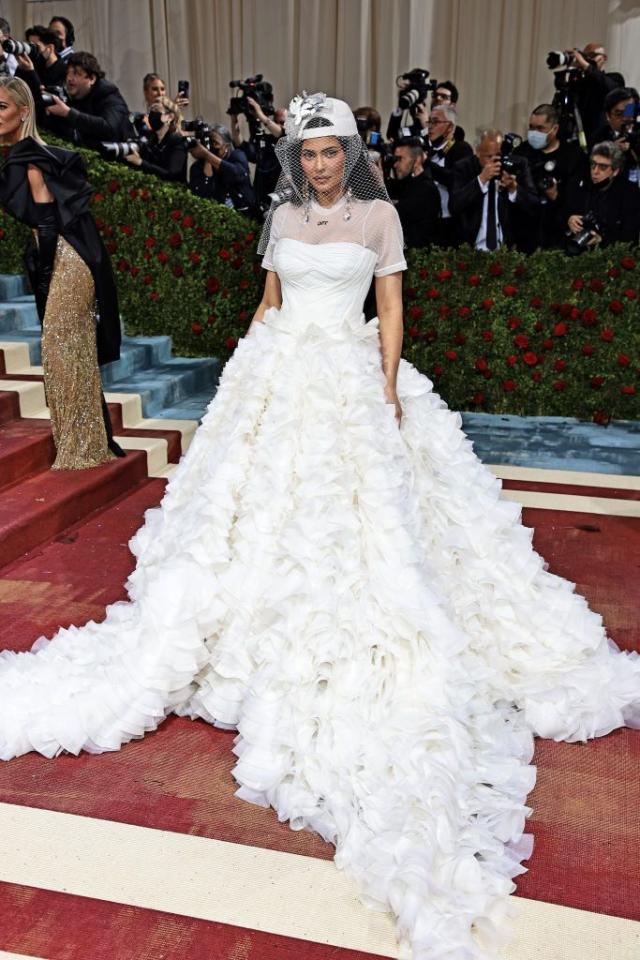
(70,361)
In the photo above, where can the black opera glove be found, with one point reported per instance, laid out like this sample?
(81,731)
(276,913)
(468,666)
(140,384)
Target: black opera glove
(47,230)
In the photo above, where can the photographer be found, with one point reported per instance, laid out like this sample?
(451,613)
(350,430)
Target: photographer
(222,173)
(593,87)
(8,63)
(621,109)
(164,152)
(264,133)
(96,110)
(48,70)
(443,151)
(63,29)
(416,87)
(414,194)
(483,193)
(552,164)
(603,208)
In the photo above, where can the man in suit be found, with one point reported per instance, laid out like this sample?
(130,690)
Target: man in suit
(483,195)
(414,194)
(608,197)
(443,151)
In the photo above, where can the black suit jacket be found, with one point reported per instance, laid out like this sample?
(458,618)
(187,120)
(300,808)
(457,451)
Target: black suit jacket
(617,209)
(458,150)
(466,201)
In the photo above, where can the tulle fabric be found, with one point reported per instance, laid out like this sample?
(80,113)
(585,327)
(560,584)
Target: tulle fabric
(359,603)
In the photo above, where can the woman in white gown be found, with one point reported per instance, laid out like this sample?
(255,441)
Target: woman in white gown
(347,590)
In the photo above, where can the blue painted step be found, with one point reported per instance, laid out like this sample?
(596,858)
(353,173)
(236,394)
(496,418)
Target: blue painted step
(12,286)
(169,385)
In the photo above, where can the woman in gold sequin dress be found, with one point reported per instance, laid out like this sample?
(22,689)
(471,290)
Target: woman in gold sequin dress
(46,188)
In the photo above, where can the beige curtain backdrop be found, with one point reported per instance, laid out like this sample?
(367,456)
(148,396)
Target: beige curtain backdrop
(494,50)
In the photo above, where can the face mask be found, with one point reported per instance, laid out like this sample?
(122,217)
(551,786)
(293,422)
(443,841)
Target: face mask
(155,120)
(537,139)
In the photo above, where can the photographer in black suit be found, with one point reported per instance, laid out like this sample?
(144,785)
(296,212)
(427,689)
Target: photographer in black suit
(414,194)
(443,151)
(483,195)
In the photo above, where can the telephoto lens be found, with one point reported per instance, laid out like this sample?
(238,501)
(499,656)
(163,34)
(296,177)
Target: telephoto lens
(117,151)
(18,48)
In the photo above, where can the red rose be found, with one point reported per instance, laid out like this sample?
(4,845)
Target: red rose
(211,319)
(154,295)
(163,257)
(196,327)
(460,338)
(538,326)
(587,350)
(596,285)
(616,306)
(514,323)
(243,316)
(176,214)
(187,221)
(451,354)
(511,360)
(560,365)
(575,313)
(423,273)
(146,256)
(237,263)
(112,246)
(133,194)
(175,240)
(577,284)
(478,399)
(178,271)
(623,360)
(135,271)
(249,237)
(126,229)
(415,312)
(236,247)
(565,309)
(487,374)
(508,385)
(98,197)
(195,257)
(224,254)
(607,335)
(147,279)
(487,335)
(225,292)
(113,186)
(444,310)
(433,294)
(630,293)
(488,303)
(547,343)
(98,220)
(519,270)
(150,242)
(521,341)
(413,332)
(481,364)
(509,290)
(437,370)
(559,384)
(231,343)
(444,274)
(601,417)
(123,265)
(560,329)
(213,285)
(613,272)
(151,214)
(145,194)
(536,376)
(244,283)
(464,312)
(596,382)
(589,317)
(530,358)
(535,302)
(495,269)
(628,263)
(462,265)
(629,391)
(474,280)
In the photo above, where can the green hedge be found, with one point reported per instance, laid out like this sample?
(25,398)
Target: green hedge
(545,334)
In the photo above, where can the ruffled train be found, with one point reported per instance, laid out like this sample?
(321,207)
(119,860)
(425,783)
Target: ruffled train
(367,612)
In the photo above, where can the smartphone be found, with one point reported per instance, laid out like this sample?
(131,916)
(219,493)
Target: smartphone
(183,88)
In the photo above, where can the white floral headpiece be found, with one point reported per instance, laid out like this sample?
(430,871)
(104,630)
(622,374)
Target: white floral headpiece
(301,109)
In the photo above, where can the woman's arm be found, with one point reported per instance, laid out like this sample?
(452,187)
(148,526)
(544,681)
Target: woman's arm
(39,190)
(271,297)
(389,305)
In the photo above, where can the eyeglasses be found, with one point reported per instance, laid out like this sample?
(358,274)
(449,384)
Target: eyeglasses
(442,96)
(434,122)
(595,165)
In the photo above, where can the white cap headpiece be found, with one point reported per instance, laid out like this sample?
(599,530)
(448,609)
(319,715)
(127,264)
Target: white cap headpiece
(341,121)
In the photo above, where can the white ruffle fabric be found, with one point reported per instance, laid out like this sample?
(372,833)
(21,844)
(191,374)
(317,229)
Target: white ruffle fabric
(359,603)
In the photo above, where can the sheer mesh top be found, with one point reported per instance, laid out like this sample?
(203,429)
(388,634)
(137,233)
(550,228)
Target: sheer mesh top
(373,224)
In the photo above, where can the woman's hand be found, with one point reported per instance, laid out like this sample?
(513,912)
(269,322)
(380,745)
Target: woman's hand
(391,396)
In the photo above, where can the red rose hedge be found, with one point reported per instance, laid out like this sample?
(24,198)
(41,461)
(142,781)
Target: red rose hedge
(542,335)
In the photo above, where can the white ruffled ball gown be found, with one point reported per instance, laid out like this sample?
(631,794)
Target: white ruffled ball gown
(357,601)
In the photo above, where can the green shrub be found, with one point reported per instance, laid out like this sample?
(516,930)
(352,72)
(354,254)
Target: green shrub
(545,334)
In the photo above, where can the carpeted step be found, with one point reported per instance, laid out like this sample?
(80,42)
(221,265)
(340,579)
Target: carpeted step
(9,406)
(26,448)
(173,437)
(39,508)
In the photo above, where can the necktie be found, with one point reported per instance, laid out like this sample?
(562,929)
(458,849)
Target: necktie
(492,233)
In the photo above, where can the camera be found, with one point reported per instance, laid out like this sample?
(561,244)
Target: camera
(201,133)
(50,92)
(258,89)
(415,89)
(561,60)
(509,163)
(118,151)
(631,126)
(19,47)
(282,196)
(547,180)
(579,242)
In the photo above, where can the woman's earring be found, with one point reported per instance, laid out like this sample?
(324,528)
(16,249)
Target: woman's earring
(347,212)
(23,119)
(306,196)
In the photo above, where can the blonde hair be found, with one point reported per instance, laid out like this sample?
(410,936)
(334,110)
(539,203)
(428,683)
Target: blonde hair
(22,97)
(169,106)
